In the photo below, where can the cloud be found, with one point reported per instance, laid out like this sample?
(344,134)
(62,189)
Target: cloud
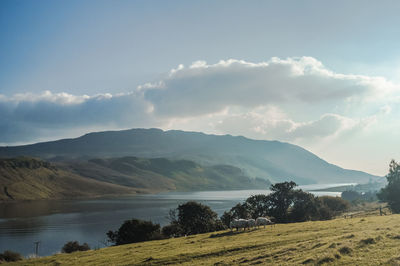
(272,123)
(26,117)
(203,88)
(294,99)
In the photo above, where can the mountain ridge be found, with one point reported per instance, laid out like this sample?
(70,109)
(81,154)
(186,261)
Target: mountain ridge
(272,160)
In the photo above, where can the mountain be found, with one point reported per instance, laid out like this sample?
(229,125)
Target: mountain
(164,174)
(29,179)
(272,160)
(32,179)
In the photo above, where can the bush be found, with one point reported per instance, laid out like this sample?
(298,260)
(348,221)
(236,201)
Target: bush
(304,207)
(132,231)
(10,256)
(196,218)
(73,246)
(172,230)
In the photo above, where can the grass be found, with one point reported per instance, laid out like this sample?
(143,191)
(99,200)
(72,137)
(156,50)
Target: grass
(373,241)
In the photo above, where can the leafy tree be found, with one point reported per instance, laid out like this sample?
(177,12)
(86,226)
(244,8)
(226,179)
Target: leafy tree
(335,204)
(172,230)
(304,207)
(134,230)
(196,218)
(226,218)
(258,205)
(391,192)
(73,246)
(281,199)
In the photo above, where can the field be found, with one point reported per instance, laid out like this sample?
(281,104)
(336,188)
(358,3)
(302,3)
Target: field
(366,240)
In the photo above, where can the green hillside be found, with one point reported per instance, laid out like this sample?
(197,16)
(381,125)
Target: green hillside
(368,240)
(164,174)
(31,179)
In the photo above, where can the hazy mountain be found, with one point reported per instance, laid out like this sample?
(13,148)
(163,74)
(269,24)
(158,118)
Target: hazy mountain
(28,179)
(271,160)
(163,174)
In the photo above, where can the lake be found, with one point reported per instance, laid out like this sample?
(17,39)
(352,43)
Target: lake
(54,222)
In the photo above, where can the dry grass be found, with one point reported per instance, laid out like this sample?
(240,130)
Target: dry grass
(373,241)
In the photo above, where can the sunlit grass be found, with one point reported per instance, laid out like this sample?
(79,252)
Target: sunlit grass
(368,240)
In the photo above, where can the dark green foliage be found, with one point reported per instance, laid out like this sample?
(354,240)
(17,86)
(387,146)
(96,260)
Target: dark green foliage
(358,197)
(132,231)
(172,230)
(281,199)
(9,256)
(196,218)
(286,204)
(391,192)
(304,207)
(258,206)
(335,204)
(226,218)
(73,246)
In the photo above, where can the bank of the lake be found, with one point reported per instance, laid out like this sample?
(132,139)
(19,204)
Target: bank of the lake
(53,223)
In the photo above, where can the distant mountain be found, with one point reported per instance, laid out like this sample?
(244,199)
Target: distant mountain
(272,160)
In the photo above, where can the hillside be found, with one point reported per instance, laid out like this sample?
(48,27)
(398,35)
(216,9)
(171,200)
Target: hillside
(355,241)
(31,179)
(28,178)
(164,174)
(272,160)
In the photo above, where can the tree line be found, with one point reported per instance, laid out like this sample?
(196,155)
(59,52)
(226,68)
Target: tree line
(285,204)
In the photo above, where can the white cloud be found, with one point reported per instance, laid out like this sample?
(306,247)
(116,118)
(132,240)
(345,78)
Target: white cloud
(295,99)
(203,88)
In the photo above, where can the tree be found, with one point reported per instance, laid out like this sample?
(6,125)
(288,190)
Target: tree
(336,204)
(73,246)
(196,218)
(280,200)
(391,192)
(172,230)
(257,205)
(304,207)
(132,231)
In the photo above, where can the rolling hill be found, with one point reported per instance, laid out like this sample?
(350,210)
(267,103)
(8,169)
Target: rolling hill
(29,179)
(272,160)
(356,241)
(32,179)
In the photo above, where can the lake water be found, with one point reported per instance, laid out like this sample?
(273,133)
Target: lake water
(56,222)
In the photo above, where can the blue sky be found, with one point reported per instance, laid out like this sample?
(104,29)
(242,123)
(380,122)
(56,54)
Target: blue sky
(321,74)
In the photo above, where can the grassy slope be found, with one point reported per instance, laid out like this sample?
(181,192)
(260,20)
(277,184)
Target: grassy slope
(165,174)
(31,179)
(285,244)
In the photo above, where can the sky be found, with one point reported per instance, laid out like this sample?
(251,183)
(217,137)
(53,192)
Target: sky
(324,75)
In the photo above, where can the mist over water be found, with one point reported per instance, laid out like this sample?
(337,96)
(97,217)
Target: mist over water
(55,222)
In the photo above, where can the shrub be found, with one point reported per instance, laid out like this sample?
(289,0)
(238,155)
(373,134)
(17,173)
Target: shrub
(132,231)
(196,218)
(172,230)
(336,204)
(9,255)
(73,246)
